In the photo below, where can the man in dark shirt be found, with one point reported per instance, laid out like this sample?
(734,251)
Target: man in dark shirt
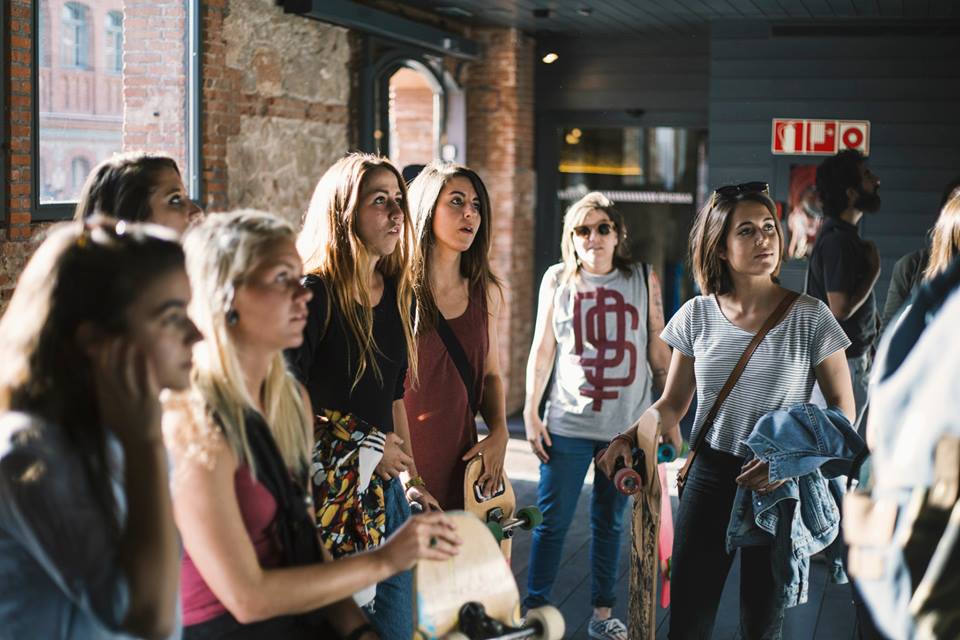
(843,267)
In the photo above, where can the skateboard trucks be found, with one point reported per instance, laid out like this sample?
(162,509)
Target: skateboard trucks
(628,480)
(503,528)
(475,624)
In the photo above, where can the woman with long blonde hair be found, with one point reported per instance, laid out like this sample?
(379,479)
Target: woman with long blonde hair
(241,439)
(356,244)
(458,298)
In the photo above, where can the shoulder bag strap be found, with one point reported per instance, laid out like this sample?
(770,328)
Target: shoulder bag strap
(459,357)
(770,323)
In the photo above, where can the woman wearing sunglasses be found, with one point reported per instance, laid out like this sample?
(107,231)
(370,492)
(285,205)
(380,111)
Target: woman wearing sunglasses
(598,321)
(736,247)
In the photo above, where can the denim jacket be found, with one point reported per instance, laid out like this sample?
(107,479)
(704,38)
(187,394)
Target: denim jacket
(808,447)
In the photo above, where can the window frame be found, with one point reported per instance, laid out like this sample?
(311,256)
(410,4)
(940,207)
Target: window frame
(58,211)
(82,40)
(109,35)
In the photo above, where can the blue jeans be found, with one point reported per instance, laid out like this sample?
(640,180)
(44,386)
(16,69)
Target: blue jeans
(392,610)
(561,480)
(701,563)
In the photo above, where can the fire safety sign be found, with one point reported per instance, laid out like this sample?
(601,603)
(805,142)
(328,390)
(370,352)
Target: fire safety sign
(792,136)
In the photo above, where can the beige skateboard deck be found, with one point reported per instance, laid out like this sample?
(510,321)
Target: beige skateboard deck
(501,506)
(642,623)
(477,574)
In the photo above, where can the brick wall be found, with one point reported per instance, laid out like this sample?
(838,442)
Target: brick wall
(275,105)
(411,119)
(15,244)
(155,77)
(500,148)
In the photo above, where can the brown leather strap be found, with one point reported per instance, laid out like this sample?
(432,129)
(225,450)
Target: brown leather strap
(769,324)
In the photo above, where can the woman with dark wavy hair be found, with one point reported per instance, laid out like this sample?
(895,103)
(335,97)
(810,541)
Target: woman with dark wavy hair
(96,328)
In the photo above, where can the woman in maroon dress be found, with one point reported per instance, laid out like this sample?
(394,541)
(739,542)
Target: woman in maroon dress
(458,301)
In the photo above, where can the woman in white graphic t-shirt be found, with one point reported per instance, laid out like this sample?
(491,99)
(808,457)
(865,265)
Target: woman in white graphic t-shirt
(598,321)
(736,247)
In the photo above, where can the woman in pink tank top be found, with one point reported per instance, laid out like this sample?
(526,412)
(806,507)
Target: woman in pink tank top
(457,297)
(253,565)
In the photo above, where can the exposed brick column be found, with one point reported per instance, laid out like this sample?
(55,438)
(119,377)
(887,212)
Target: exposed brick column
(15,243)
(500,148)
(155,77)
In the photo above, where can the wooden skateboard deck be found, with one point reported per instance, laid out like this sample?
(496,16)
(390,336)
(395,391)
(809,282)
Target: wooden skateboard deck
(503,499)
(644,561)
(478,573)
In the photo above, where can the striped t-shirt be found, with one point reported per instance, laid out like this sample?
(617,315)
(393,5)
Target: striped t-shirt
(778,375)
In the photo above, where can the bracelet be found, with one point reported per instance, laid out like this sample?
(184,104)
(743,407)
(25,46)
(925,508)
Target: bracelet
(415,481)
(626,438)
(358,633)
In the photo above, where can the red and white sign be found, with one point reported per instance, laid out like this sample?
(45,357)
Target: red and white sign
(819,137)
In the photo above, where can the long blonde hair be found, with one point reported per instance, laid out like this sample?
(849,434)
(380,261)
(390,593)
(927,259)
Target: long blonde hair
(474,262)
(574,217)
(221,252)
(332,250)
(945,243)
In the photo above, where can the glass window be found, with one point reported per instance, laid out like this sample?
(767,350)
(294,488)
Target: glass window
(43,31)
(114,43)
(102,95)
(79,168)
(75,39)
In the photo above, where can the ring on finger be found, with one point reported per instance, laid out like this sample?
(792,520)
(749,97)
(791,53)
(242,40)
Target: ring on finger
(433,541)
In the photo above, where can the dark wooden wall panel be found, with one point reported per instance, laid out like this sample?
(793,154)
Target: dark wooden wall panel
(907,87)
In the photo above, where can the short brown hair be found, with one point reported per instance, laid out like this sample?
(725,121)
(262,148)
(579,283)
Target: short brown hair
(709,236)
(120,186)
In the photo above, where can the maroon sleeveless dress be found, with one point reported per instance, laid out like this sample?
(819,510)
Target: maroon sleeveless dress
(442,426)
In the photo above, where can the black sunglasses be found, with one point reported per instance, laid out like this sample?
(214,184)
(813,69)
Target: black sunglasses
(734,190)
(603,229)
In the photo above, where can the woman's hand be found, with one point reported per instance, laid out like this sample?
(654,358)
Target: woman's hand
(394,460)
(618,448)
(424,498)
(537,436)
(755,476)
(431,536)
(128,395)
(492,451)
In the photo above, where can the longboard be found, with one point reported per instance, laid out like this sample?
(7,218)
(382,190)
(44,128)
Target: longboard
(477,575)
(644,556)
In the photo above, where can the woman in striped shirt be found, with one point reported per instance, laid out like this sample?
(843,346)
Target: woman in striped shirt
(736,248)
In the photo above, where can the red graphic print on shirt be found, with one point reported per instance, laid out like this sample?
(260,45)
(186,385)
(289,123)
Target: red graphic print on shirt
(590,329)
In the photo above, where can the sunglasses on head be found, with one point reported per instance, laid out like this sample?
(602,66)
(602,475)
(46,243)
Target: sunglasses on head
(603,229)
(734,190)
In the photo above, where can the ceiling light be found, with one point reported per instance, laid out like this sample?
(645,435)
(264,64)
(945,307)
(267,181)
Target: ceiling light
(550,58)
(585,11)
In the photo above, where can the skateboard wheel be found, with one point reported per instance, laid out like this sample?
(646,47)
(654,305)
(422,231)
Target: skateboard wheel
(627,481)
(548,621)
(531,517)
(496,530)
(666,452)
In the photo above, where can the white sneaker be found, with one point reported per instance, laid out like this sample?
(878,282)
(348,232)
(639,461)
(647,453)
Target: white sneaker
(609,629)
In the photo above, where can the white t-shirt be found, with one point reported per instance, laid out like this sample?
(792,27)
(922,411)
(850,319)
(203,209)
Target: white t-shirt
(602,382)
(778,375)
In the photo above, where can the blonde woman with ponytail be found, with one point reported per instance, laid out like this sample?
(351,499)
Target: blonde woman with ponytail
(356,247)
(241,438)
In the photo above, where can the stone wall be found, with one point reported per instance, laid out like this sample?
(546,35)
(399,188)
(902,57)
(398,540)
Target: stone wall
(275,102)
(500,148)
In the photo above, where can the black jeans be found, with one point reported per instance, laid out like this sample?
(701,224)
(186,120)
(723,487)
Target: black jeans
(701,562)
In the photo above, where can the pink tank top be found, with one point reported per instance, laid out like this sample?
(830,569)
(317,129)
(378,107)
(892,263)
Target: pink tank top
(258,510)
